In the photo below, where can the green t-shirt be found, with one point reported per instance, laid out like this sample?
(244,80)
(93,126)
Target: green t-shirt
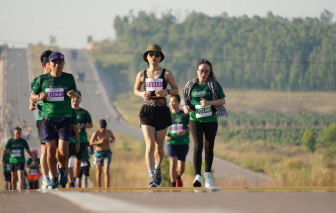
(16,149)
(180,122)
(58,103)
(203,114)
(39,103)
(86,155)
(6,166)
(33,170)
(83,117)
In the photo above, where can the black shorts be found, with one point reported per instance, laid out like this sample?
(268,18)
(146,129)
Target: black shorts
(157,117)
(7,176)
(72,150)
(54,130)
(179,151)
(17,166)
(84,171)
(38,126)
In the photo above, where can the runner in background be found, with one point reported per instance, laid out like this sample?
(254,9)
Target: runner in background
(33,171)
(15,147)
(101,139)
(32,106)
(154,115)
(178,141)
(6,170)
(85,167)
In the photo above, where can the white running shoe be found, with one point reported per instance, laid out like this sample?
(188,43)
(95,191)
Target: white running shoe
(207,179)
(45,183)
(198,181)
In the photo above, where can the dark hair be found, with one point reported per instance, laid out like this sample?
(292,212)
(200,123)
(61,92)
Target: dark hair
(17,128)
(45,56)
(204,61)
(80,94)
(178,98)
(102,123)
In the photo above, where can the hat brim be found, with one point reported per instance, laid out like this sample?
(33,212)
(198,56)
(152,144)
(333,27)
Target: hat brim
(144,56)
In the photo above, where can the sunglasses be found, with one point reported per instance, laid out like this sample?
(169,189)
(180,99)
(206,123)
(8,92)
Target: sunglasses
(151,54)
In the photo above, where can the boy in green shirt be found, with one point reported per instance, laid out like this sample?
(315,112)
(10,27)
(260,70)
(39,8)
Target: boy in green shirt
(6,170)
(178,141)
(15,147)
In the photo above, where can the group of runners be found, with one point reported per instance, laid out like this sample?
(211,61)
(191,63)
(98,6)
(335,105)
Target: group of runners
(62,125)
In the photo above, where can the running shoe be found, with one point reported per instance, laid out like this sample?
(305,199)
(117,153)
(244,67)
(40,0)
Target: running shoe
(198,181)
(158,176)
(53,184)
(45,183)
(63,177)
(152,182)
(207,179)
(179,183)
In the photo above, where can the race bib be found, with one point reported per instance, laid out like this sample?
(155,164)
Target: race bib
(175,128)
(33,171)
(8,167)
(84,163)
(97,161)
(55,94)
(16,153)
(203,111)
(153,84)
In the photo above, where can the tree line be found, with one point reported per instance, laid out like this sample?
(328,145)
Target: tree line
(269,52)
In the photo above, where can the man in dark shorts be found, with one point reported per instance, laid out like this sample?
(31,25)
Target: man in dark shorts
(56,90)
(84,121)
(6,170)
(85,167)
(15,147)
(43,159)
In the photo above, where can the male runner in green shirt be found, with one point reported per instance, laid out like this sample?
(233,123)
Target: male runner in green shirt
(56,89)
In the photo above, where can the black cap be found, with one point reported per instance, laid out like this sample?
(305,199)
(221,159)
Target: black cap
(102,123)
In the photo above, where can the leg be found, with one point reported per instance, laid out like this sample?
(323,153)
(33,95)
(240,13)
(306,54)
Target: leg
(149,134)
(180,167)
(160,137)
(77,167)
(172,169)
(70,174)
(107,175)
(98,175)
(51,157)
(20,177)
(14,180)
(63,148)
(43,160)
(197,133)
(210,131)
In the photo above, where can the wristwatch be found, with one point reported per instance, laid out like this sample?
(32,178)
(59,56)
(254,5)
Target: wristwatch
(168,91)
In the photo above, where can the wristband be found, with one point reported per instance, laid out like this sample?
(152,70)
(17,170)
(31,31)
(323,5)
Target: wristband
(38,97)
(168,91)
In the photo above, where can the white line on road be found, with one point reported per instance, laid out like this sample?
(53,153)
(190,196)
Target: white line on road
(98,203)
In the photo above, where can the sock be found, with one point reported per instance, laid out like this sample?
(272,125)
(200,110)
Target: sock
(178,177)
(151,172)
(157,165)
(173,184)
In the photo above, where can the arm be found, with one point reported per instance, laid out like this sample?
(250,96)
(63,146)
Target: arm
(76,130)
(32,105)
(81,126)
(3,154)
(171,81)
(32,157)
(218,102)
(137,86)
(112,138)
(93,140)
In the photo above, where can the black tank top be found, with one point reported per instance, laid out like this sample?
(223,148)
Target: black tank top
(155,84)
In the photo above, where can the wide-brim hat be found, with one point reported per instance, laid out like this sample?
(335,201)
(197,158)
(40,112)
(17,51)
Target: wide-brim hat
(153,48)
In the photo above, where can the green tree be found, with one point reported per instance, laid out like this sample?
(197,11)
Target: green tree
(327,137)
(308,141)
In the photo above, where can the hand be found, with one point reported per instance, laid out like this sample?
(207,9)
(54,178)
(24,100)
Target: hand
(181,133)
(72,94)
(77,147)
(111,140)
(42,96)
(161,93)
(168,138)
(81,126)
(186,109)
(204,102)
(32,106)
(101,141)
(146,95)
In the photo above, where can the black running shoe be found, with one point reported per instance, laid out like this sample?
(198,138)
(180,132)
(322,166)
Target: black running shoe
(158,176)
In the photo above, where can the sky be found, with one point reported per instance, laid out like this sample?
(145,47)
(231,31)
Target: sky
(72,21)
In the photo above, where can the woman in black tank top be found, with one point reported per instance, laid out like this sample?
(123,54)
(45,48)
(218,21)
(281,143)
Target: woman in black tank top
(154,114)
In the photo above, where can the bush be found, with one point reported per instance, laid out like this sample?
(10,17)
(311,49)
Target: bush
(308,141)
(327,137)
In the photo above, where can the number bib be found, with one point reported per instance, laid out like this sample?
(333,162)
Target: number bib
(84,163)
(97,161)
(153,84)
(55,94)
(8,167)
(203,111)
(16,153)
(33,171)
(175,128)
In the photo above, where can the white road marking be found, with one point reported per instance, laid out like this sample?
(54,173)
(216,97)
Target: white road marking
(98,203)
